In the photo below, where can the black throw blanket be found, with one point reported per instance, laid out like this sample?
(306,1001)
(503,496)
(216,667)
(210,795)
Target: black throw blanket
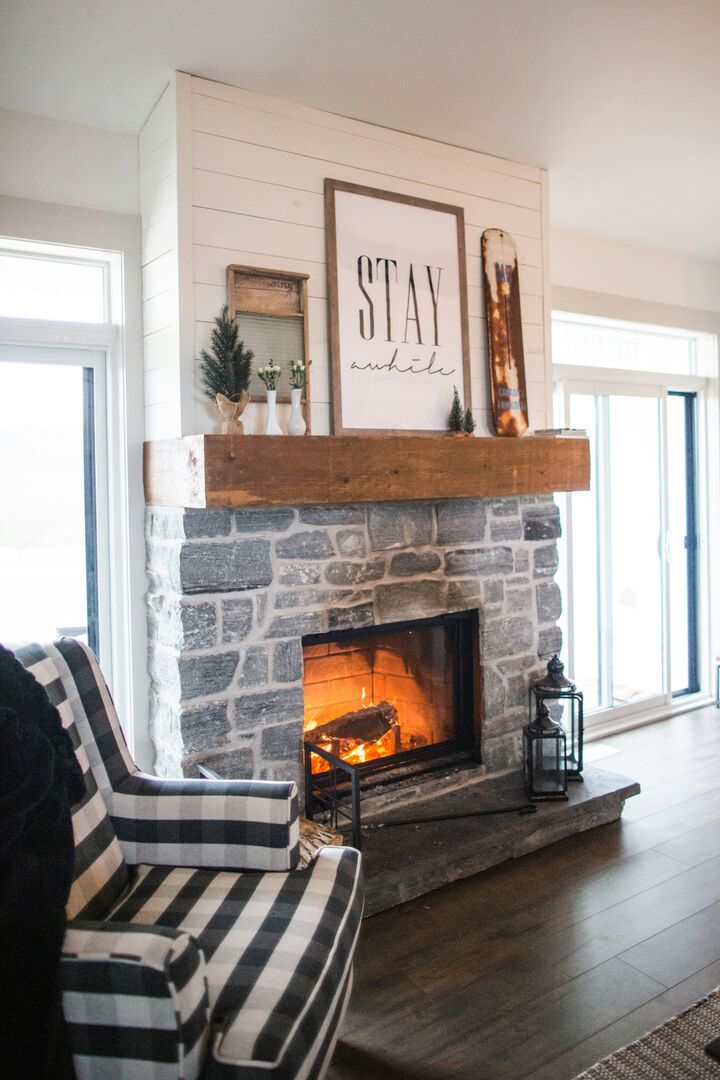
(40,780)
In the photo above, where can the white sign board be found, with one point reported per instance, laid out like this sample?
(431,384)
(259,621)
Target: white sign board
(398,310)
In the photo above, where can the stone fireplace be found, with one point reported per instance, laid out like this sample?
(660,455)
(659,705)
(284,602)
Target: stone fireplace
(234,594)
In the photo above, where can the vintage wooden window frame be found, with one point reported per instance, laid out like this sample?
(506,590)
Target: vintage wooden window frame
(234,271)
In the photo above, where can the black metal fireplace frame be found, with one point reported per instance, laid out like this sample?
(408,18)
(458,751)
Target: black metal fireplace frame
(465,688)
(337,791)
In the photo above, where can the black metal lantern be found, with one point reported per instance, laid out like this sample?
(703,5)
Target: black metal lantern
(545,757)
(565,704)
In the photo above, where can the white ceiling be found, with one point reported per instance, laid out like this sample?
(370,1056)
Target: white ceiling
(620,99)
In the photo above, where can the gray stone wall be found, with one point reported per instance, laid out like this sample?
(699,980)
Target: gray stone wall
(232,592)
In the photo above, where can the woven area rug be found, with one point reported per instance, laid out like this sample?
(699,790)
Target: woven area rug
(674,1051)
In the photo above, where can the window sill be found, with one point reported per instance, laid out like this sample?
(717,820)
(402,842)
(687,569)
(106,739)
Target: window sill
(615,725)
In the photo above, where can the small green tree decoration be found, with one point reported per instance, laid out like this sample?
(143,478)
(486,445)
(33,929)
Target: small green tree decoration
(455,419)
(468,422)
(227,367)
(270,375)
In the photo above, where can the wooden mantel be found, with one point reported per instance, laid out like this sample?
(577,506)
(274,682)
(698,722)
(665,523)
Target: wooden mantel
(262,470)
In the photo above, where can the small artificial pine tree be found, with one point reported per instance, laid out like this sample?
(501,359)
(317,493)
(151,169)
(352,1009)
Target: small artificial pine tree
(455,419)
(226,369)
(468,422)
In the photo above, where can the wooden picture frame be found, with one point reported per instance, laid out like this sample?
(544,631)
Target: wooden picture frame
(267,303)
(391,253)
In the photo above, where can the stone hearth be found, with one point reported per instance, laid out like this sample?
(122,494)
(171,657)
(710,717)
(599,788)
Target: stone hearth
(405,861)
(232,592)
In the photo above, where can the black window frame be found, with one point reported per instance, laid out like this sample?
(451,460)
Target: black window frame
(691,539)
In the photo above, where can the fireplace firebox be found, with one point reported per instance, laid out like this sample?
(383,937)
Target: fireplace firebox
(385,695)
(384,698)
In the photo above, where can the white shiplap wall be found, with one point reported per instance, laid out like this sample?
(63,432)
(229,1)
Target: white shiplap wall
(255,170)
(158,163)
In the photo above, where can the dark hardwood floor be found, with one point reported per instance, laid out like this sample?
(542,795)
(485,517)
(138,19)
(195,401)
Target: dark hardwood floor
(538,968)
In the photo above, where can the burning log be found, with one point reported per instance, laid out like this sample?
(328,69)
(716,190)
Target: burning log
(362,725)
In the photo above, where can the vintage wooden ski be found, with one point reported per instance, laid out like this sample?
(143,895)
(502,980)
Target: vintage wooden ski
(504,329)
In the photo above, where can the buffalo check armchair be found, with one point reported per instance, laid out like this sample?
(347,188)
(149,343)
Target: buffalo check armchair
(195,947)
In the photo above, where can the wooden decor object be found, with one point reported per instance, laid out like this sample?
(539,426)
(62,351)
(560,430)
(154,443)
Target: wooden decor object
(313,836)
(361,725)
(397,309)
(270,307)
(504,329)
(221,471)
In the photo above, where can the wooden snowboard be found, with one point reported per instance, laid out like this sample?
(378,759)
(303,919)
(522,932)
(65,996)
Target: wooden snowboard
(506,358)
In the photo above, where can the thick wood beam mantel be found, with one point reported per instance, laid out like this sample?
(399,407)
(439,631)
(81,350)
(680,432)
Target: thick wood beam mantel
(261,470)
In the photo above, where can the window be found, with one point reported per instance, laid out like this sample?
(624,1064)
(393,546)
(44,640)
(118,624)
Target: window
(50,402)
(33,287)
(63,524)
(631,551)
(632,347)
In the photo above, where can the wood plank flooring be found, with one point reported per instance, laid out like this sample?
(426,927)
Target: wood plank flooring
(538,968)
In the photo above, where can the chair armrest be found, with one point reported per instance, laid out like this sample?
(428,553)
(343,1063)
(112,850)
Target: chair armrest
(219,824)
(134,998)
(283,1012)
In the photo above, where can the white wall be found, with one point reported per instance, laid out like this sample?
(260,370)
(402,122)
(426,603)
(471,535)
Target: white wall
(254,172)
(56,162)
(159,206)
(596,265)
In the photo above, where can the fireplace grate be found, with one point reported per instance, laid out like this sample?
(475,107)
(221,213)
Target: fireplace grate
(324,793)
(327,793)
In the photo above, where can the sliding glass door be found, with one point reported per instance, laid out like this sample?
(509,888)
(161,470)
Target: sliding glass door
(630,546)
(53,560)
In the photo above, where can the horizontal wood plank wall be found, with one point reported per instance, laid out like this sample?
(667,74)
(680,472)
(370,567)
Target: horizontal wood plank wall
(258,166)
(157,153)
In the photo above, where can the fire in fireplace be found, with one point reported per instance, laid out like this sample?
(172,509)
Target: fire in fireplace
(391,694)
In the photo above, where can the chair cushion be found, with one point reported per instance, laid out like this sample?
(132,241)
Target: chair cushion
(101,875)
(135,1001)
(278,950)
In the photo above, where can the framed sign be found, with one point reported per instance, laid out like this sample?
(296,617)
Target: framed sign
(397,296)
(270,308)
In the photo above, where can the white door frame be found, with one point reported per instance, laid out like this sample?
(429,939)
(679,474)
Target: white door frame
(52,338)
(602,383)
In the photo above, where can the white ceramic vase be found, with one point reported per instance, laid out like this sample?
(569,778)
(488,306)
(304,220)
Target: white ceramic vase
(272,426)
(296,422)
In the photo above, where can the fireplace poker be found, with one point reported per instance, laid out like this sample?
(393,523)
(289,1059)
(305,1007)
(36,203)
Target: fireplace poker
(524,808)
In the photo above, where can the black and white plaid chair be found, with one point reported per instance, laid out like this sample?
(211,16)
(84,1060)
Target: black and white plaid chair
(194,947)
